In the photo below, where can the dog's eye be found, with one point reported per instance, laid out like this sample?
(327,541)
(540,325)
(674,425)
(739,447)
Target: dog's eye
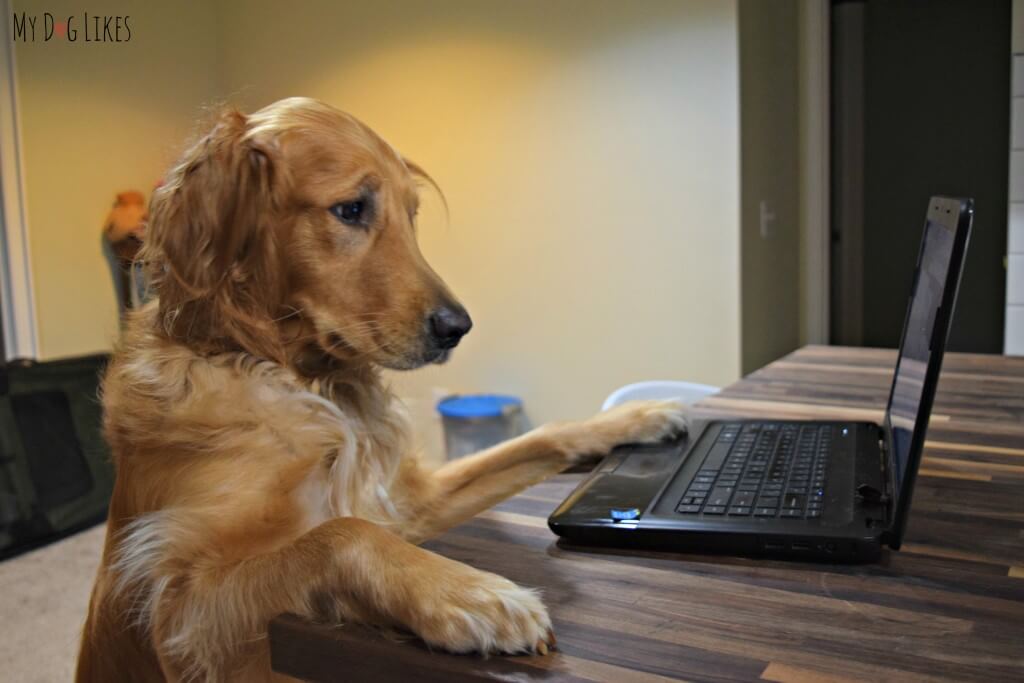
(350,213)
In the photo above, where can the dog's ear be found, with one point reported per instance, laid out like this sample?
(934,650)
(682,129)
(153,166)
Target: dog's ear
(211,245)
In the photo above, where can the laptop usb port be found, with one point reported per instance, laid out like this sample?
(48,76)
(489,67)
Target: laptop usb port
(774,546)
(801,545)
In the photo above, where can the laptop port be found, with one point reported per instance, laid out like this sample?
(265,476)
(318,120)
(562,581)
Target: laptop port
(801,545)
(830,547)
(774,546)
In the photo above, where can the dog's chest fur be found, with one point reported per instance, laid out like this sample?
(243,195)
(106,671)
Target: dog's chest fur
(344,425)
(363,440)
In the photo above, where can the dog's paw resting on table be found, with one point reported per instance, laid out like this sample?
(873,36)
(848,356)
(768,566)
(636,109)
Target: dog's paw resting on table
(261,466)
(469,610)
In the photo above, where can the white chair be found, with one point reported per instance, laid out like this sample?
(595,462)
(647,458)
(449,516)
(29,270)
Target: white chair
(686,392)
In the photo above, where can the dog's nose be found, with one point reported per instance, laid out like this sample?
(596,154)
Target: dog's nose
(449,324)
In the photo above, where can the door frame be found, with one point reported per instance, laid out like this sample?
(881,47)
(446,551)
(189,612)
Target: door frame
(17,305)
(815,182)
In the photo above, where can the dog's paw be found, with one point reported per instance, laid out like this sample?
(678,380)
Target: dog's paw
(642,421)
(633,422)
(475,611)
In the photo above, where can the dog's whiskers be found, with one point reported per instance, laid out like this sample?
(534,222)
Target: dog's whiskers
(358,330)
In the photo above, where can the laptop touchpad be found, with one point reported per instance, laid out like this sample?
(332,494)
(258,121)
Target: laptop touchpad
(627,480)
(640,464)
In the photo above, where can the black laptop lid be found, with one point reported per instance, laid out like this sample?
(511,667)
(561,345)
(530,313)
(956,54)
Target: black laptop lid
(925,329)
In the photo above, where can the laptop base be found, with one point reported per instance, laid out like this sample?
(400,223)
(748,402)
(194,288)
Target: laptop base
(633,498)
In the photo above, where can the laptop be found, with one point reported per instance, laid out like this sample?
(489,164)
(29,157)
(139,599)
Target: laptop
(816,490)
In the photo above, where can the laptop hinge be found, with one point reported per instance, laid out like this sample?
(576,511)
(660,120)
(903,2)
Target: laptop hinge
(870,494)
(888,470)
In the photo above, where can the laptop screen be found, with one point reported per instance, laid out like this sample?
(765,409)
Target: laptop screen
(915,347)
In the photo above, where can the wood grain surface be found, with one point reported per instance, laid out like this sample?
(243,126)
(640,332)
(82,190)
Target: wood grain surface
(948,606)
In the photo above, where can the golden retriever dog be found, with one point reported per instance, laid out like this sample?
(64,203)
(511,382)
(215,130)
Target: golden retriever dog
(261,465)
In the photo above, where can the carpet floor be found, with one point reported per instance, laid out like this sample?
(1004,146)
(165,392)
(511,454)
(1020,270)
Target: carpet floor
(43,599)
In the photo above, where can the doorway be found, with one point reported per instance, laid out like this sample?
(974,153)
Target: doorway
(920,100)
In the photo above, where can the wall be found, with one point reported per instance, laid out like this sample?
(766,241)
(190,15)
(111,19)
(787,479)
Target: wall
(1013,342)
(769,180)
(589,152)
(97,118)
(589,155)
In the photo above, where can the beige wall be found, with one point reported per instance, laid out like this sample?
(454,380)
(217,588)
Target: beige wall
(588,151)
(97,118)
(589,155)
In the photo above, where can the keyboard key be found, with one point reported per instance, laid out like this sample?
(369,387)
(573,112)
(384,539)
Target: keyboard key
(768,501)
(717,456)
(720,496)
(793,500)
(739,510)
(792,513)
(688,509)
(764,512)
(743,498)
(813,514)
(714,510)
(687,500)
(699,487)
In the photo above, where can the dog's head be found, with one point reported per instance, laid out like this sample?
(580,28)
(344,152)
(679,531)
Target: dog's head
(295,227)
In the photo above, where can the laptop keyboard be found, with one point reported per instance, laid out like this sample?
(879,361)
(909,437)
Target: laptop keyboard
(762,469)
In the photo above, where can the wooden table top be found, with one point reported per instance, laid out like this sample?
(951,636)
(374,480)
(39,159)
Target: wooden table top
(948,606)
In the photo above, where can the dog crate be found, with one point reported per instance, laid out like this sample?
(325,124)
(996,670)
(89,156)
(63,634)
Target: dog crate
(55,471)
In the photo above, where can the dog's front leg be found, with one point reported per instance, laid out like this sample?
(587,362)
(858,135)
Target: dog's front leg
(472,484)
(344,569)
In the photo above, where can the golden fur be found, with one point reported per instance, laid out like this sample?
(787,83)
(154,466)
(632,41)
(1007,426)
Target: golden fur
(261,466)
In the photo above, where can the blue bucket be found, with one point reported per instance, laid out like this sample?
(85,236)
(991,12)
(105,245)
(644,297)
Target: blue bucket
(476,422)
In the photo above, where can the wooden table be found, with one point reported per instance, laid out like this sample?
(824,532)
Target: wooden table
(948,606)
